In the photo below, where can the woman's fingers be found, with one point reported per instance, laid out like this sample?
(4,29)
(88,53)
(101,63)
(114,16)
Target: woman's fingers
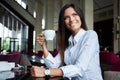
(40,38)
(37,71)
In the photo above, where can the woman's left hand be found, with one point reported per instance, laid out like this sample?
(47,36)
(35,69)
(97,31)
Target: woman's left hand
(37,71)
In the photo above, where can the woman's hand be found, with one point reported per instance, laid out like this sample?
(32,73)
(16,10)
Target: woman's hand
(41,39)
(37,71)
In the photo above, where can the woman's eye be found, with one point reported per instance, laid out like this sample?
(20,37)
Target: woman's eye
(66,17)
(75,14)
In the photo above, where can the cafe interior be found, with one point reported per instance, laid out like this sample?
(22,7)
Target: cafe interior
(22,20)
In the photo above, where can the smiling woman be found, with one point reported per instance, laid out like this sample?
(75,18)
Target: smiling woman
(78,55)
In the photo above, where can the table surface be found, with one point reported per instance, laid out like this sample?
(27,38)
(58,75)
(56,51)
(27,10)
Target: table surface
(24,75)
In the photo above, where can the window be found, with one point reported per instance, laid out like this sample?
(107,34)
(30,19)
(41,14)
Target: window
(13,32)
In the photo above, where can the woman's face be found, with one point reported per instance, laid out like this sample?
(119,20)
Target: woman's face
(72,20)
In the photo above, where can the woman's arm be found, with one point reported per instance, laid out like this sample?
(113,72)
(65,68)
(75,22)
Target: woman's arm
(50,61)
(40,71)
(41,40)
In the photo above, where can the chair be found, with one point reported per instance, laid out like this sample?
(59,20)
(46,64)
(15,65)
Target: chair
(11,58)
(110,58)
(25,60)
(31,53)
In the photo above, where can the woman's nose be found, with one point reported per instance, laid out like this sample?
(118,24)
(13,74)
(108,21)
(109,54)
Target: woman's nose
(71,18)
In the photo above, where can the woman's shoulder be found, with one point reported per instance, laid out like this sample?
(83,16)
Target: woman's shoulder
(91,32)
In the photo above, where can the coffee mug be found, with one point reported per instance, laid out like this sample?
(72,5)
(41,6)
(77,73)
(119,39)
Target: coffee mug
(49,34)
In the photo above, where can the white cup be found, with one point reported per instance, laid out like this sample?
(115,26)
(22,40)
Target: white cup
(49,34)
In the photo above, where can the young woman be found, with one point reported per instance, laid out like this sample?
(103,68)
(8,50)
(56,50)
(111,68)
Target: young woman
(78,57)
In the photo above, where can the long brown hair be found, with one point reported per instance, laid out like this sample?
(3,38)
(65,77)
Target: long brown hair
(63,32)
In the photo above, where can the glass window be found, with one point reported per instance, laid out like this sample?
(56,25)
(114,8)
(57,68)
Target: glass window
(13,32)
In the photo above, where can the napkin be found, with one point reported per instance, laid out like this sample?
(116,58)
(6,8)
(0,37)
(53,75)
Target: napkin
(5,66)
(6,75)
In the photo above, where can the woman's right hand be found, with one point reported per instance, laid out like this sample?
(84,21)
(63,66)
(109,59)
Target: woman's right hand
(41,39)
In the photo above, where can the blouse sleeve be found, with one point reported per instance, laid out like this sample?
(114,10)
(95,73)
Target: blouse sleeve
(52,62)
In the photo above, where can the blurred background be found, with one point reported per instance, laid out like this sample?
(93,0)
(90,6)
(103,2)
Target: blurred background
(22,20)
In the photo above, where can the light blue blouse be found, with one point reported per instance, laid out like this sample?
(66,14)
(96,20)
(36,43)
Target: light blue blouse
(81,57)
